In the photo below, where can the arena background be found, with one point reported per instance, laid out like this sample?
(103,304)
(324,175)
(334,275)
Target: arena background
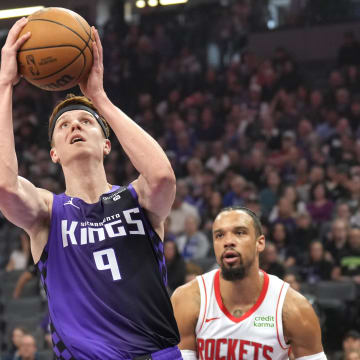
(256,103)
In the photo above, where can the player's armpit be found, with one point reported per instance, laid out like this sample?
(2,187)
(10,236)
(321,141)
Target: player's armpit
(186,305)
(301,325)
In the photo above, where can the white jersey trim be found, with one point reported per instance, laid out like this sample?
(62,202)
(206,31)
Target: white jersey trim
(279,321)
(203,306)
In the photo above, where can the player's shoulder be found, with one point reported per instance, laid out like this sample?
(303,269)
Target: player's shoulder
(186,301)
(189,291)
(297,310)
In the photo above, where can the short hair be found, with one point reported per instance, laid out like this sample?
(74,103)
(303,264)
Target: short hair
(254,217)
(72,99)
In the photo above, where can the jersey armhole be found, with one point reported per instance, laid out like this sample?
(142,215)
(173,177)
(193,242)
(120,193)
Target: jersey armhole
(203,304)
(279,321)
(147,223)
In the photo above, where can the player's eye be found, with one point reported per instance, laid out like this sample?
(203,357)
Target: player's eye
(86,121)
(63,124)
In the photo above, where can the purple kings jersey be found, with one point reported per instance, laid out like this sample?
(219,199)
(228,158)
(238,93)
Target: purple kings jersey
(104,274)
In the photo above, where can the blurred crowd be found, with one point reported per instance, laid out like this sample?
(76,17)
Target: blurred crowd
(238,130)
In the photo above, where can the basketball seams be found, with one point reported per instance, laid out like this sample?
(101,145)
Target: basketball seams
(65,26)
(75,43)
(81,50)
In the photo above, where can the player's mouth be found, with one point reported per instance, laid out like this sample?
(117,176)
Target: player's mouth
(230,257)
(76,138)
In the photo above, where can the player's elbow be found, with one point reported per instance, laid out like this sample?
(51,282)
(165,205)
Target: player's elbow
(164,179)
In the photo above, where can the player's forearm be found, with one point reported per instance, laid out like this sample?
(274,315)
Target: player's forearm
(144,152)
(8,160)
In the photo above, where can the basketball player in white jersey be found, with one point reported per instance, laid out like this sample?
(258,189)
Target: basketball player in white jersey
(239,312)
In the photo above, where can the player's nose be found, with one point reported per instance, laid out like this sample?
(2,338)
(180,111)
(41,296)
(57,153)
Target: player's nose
(229,240)
(75,125)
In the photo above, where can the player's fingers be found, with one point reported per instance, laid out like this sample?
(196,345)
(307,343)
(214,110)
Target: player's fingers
(21,40)
(15,31)
(95,54)
(99,46)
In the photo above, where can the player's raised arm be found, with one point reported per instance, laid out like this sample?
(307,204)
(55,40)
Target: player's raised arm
(156,183)
(20,201)
(301,327)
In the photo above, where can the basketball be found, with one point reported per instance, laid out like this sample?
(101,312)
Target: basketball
(59,52)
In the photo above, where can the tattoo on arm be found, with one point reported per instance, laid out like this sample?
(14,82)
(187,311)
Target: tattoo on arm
(238,313)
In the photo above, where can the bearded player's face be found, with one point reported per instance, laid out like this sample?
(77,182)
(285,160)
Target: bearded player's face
(235,244)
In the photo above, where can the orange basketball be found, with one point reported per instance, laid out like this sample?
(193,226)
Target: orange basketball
(59,52)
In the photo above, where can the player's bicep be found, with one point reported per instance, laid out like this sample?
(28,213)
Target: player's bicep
(186,314)
(301,325)
(25,206)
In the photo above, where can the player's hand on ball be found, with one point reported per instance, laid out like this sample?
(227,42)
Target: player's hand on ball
(9,68)
(93,86)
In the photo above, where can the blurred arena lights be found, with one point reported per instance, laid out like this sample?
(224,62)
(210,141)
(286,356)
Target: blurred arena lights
(172,2)
(152,3)
(140,4)
(18,12)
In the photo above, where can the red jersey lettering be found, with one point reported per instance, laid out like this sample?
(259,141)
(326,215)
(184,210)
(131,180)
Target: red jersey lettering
(267,349)
(242,348)
(200,346)
(209,343)
(218,348)
(231,349)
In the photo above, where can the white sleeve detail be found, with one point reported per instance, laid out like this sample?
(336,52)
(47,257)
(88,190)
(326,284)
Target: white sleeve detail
(202,311)
(188,354)
(318,356)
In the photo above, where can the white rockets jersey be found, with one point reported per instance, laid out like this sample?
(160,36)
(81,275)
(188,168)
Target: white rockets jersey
(256,335)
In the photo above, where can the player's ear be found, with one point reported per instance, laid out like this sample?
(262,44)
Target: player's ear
(260,243)
(54,156)
(107,147)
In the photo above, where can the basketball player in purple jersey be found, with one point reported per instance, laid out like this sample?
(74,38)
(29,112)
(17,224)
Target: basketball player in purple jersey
(98,247)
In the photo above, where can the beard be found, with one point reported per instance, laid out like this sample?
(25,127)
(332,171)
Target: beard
(236,271)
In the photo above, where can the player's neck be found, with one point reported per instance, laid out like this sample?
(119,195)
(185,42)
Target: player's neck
(244,292)
(86,181)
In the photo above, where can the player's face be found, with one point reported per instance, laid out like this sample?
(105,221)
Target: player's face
(77,133)
(235,244)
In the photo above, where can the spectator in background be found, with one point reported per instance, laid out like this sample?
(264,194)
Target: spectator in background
(285,250)
(336,242)
(305,231)
(180,211)
(349,51)
(352,355)
(219,161)
(27,348)
(24,278)
(175,265)
(19,258)
(285,214)
(269,195)
(269,261)
(192,271)
(235,196)
(350,343)
(348,263)
(315,266)
(193,243)
(211,209)
(16,337)
(320,206)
